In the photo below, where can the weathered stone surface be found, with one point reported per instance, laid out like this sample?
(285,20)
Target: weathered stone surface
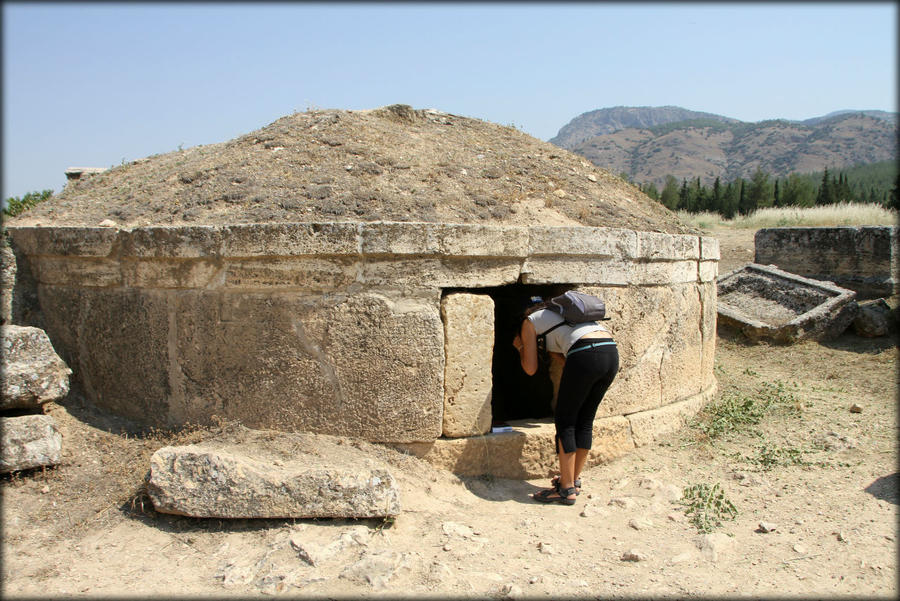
(258,474)
(7,279)
(32,373)
(336,328)
(366,365)
(764,302)
(468,347)
(28,441)
(647,426)
(526,452)
(118,346)
(863,259)
(873,319)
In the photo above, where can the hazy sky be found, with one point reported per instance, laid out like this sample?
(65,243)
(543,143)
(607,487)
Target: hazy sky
(98,84)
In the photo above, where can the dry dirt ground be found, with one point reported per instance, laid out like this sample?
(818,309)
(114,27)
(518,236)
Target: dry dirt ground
(820,478)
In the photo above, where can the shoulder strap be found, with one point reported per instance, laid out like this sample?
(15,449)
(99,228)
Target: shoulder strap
(551,328)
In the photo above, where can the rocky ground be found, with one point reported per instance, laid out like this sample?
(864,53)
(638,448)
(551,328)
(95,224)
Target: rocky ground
(814,487)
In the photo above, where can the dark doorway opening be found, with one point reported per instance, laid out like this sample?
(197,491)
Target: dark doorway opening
(516,395)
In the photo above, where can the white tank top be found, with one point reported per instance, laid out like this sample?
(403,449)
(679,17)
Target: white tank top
(563,337)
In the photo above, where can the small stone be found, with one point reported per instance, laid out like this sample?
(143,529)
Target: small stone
(623,502)
(510,590)
(640,523)
(855,408)
(560,193)
(447,547)
(107,223)
(841,536)
(798,548)
(545,548)
(633,555)
(45,490)
(766,527)
(592,177)
(534,580)
(587,511)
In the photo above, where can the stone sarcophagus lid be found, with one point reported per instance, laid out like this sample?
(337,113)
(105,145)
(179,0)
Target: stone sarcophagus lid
(392,332)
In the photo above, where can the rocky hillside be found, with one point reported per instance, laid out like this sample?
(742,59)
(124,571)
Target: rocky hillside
(711,147)
(393,164)
(610,120)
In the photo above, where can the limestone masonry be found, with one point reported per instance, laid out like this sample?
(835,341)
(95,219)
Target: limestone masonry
(380,330)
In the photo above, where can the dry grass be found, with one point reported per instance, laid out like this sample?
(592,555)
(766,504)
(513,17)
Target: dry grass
(832,215)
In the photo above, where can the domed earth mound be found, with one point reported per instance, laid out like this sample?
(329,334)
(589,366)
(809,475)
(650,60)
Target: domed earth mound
(388,164)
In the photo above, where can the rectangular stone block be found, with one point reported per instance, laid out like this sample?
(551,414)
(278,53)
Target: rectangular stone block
(468,348)
(654,246)
(361,365)
(76,271)
(465,240)
(64,241)
(173,242)
(709,248)
(172,274)
(661,273)
(305,273)
(381,238)
(597,242)
(444,272)
(602,272)
(116,341)
(709,271)
(291,239)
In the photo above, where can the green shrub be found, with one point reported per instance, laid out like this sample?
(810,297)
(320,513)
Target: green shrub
(15,205)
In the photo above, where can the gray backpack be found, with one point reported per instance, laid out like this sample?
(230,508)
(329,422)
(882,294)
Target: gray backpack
(575,308)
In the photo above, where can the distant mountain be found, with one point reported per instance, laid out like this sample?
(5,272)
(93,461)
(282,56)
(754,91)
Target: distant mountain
(610,120)
(710,146)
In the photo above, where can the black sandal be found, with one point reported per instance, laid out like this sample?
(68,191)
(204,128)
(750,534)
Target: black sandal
(543,496)
(554,481)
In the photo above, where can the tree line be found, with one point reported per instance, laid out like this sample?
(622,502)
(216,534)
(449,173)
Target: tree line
(877,183)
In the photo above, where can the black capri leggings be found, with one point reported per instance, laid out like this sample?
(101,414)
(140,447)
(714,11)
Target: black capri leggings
(590,369)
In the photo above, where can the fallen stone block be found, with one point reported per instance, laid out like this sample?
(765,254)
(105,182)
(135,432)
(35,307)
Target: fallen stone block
(267,474)
(873,319)
(29,441)
(764,302)
(32,374)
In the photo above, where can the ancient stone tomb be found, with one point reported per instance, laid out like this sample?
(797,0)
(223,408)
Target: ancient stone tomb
(393,332)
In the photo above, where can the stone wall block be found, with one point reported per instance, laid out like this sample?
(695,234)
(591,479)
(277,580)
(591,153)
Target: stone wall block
(311,274)
(290,239)
(649,426)
(172,274)
(364,365)
(398,239)
(77,271)
(708,271)
(29,441)
(654,246)
(65,241)
(574,270)
(7,279)
(465,240)
(709,248)
(438,273)
(468,347)
(664,273)
(173,242)
(32,372)
(583,241)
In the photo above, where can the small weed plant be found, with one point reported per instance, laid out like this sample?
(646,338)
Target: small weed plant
(769,457)
(736,412)
(707,506)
